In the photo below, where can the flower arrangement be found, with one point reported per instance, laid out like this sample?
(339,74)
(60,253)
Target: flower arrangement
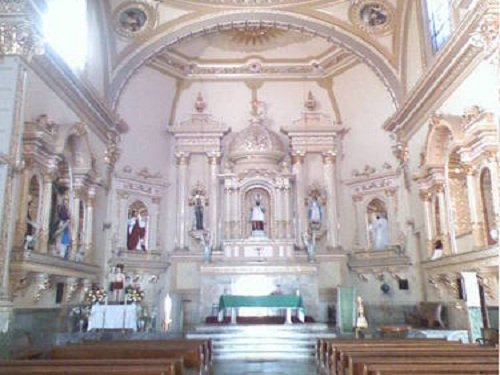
(95,295)
(134,294)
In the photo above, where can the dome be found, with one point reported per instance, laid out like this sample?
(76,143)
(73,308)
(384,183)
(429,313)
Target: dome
(256,139)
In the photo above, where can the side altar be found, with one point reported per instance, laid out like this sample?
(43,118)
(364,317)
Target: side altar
(261,217)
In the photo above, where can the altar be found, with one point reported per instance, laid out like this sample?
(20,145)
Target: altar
(113,317)
(279,301)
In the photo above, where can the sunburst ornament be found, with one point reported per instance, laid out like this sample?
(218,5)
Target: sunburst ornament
(254,34)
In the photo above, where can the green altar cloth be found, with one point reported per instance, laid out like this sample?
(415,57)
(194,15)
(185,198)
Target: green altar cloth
(276,301)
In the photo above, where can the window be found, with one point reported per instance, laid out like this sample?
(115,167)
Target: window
(65,30)
(439,21)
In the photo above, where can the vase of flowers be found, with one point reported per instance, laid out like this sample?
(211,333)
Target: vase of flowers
(94,295)
(134,294)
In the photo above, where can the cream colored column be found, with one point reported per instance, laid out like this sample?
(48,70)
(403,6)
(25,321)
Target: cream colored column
(23,210)
(122,215)
(46,203)
(331,198)
(182,164)
(391,209)
(495,188)
(278,215)
(236,224)
(286,211)
(450,216)
(360,239)
(89,226)
(472,196)
(297,169)
(74,220)
(428,221)
(444,220)
(214,166)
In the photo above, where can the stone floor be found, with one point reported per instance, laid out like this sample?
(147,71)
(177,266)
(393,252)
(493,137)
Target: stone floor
(292,367)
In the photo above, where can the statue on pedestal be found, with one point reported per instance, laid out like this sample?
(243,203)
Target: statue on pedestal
(379,229)
(257,217)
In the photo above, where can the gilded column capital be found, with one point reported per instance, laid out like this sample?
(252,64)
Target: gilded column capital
(214,158)
(469,169)
(425,195)
(438,187)
(357,198)
(182,158)
(19,35)
(298,157)
(329,158)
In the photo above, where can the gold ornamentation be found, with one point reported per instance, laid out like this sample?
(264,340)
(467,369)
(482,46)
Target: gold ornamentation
(367,172)
(253,34)
(134,18)
(310,103)
(200,104)
(18,36)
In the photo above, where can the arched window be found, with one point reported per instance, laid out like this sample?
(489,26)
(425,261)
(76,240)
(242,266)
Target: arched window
(487,203)
(439,22)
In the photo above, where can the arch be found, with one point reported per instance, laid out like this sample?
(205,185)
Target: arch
(213,23)
(437,146)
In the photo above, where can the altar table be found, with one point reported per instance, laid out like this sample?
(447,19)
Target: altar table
(113,317)
(278,301)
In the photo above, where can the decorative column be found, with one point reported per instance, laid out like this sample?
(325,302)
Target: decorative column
(214,166)
(450,215)
(297,169)
(495,188)
(391,208)
(89,225)
(182,164)
(472,195)
(78,196)
(46,203)
(286,210)
(444,219)
(235,214)
(331,194)
(425,196)
(227,211)
(360,241)
(278,216)
(23,210)
(19,39)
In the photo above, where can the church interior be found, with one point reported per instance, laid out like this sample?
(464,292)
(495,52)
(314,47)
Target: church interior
(249,183)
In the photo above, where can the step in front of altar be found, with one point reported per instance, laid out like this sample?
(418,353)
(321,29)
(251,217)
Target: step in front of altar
(262,342)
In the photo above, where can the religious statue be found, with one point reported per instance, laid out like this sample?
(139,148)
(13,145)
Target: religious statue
(136,232)
(60,231)
(207,246)
(315,213)
(257,216)
(379,229)
(310,243)
(31,229)
(438,250)
(361,322)
(118,283)
(198,214)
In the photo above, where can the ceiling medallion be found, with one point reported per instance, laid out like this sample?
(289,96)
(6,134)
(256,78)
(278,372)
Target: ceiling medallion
(254,34)
(374,17)
(134,18)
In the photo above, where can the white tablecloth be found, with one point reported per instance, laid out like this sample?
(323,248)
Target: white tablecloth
(113,317)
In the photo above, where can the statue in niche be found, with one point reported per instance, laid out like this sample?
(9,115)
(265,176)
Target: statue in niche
(137,227)
(315,213)
(132,19)
(379,229)
(60,228)
(198,213)
(257,216)
(31,228)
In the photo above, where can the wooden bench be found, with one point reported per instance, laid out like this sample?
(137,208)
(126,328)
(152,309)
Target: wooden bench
(191,357)
(448,368)
(107,364)
(357,362)
(142,369)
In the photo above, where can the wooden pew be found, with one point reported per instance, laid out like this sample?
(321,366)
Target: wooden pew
(143,369)
(448,368)
(178,363)
(204,346)
(191,357)
(407,351)
(338,361)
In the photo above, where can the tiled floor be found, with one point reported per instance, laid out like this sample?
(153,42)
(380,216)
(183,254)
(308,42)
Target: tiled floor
(232,367)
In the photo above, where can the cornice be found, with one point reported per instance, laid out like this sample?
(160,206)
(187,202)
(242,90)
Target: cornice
(78,95)
(457,59)
(471,257)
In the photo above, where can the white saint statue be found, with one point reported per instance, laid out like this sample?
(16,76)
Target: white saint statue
(380,233)
(207,246)
(257,217)
(315,213)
